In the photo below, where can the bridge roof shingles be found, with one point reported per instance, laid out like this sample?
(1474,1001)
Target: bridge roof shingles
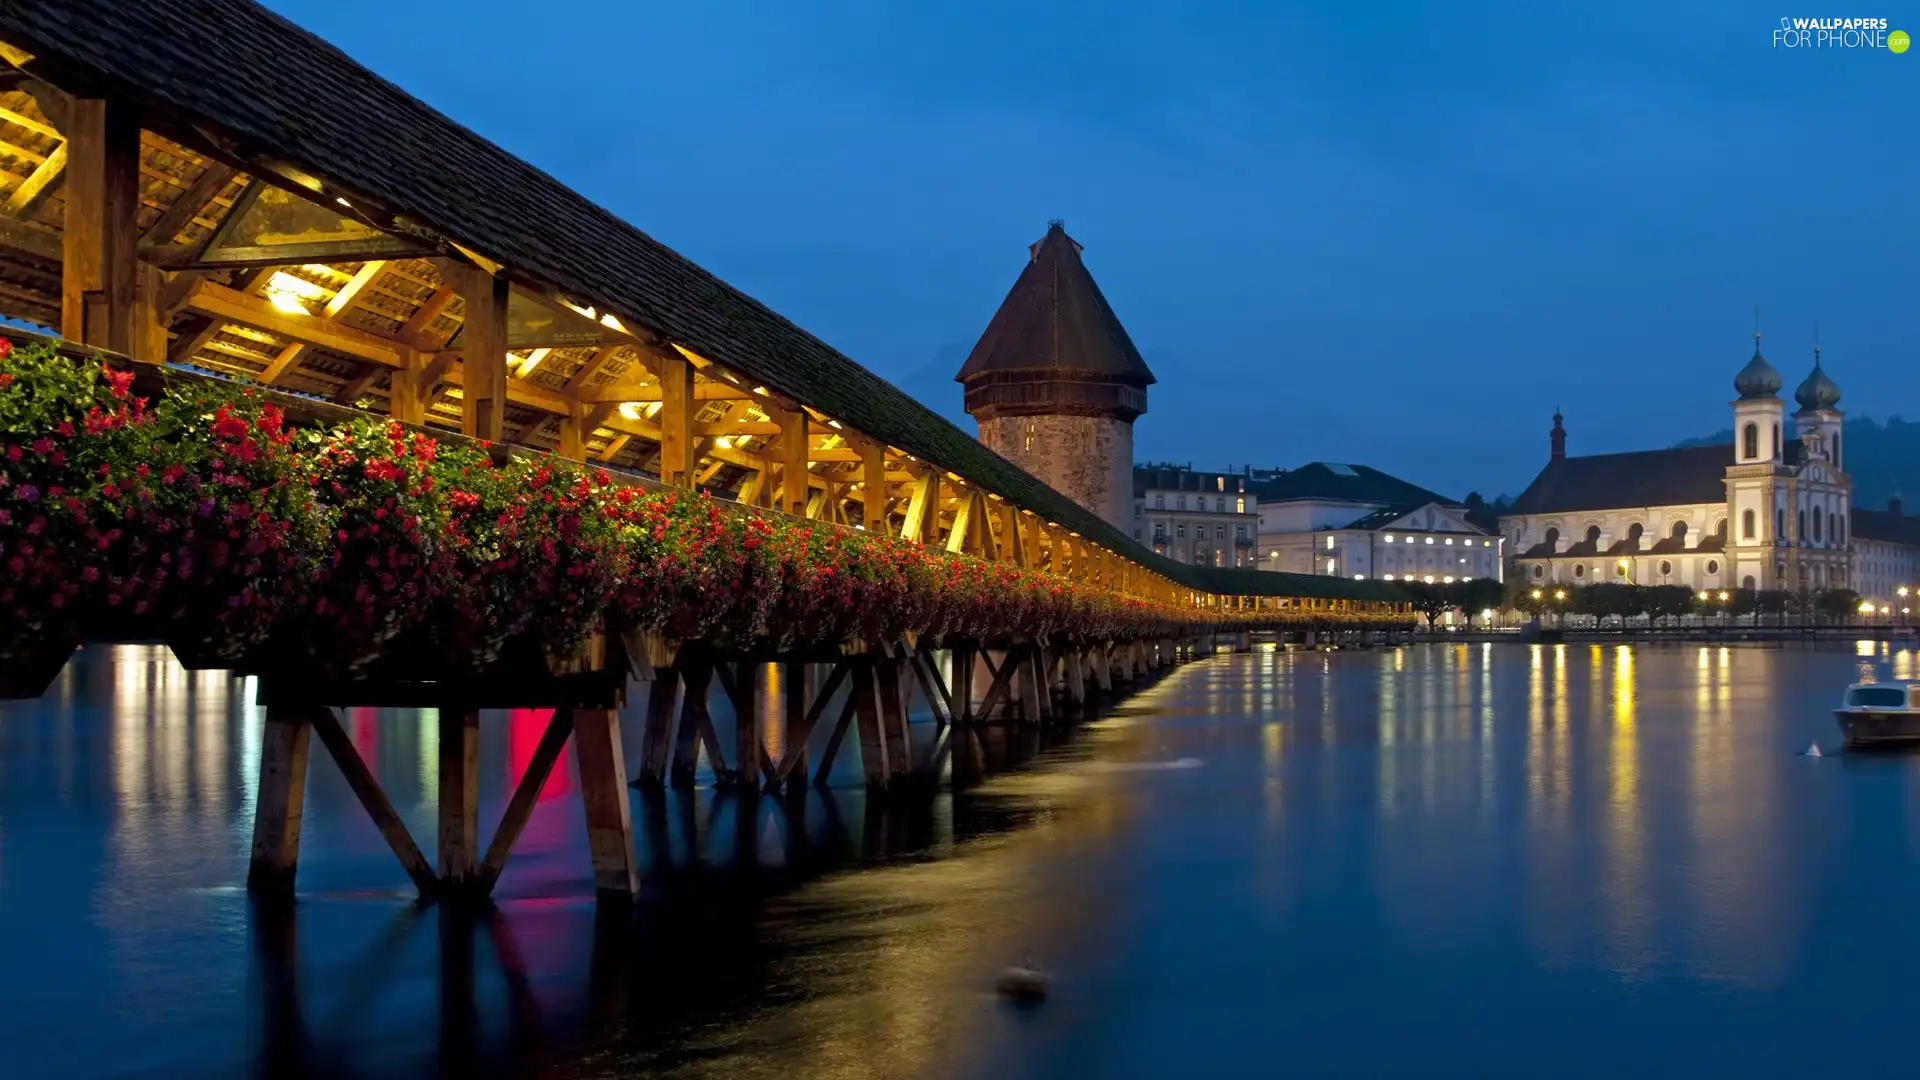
(278,91)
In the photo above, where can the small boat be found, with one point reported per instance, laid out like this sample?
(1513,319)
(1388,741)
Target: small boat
(1880,714)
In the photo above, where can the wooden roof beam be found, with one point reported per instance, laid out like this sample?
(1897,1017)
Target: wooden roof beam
(224,303)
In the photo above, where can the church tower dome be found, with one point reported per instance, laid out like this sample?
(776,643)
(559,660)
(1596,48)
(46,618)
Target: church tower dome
(1055,383)
(1818,393)
(1758,379)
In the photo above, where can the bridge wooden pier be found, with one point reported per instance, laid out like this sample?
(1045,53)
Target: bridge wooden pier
(861,695)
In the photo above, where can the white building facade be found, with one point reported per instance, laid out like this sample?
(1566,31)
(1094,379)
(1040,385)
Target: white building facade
(1772,511)
(1357,522)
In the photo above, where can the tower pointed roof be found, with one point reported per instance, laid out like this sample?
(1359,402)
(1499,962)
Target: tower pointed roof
(1758,379)
(1055,318)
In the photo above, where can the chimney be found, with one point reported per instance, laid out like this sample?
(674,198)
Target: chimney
(1559,436)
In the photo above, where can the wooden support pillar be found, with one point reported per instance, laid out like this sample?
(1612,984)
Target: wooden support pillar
(603,794)
(1076,674)
(677,409)
(873,741)
(746,726)
(893,710)
(696,670)
(574,432)
(102,301)
(407,394)
(279,802)
(483,354)
(964,512)
(459,798)
(1025,662)
(963,664)
(1013,545)
(923,511)
(1102,669)
(793,461)
(793,692)
(656,738)
(873,488)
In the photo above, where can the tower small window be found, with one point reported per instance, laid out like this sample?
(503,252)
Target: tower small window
(1776,440)
(1750,442)
(1746,524)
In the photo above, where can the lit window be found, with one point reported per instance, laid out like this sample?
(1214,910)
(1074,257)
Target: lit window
(1428,579)
(1449,541)
(1429,539)
(1329,543)
(1359,577)
(1239,506)
(1386,577)
(1448,580)
(1329,566)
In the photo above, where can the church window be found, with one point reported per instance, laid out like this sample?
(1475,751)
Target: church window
(1803,525)
(1553,539)
(1747,583)
(1817,515)
(1750,442)
(1713,567)
(1776,440)
(1836,450)
(1746,524)
(1593,534)
(1539,571)
(1720,528)
(1579,571)
(1680,531)
(1666,568)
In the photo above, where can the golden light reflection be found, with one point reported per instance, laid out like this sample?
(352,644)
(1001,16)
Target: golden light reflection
(1627,903)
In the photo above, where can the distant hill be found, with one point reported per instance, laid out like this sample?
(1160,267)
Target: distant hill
(1881,458)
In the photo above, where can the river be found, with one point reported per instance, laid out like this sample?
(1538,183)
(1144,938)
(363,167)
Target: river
(1471,860)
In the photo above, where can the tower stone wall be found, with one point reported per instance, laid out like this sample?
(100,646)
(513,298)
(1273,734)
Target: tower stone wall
(1089,459)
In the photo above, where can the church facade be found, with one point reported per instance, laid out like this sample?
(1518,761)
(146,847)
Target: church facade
(1771,511)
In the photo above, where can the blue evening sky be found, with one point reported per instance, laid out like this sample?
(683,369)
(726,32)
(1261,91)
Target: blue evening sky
(1386,233)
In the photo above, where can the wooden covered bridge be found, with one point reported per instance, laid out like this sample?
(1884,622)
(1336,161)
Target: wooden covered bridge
(200,184)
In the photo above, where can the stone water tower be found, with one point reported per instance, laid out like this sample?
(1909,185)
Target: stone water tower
(1055,383)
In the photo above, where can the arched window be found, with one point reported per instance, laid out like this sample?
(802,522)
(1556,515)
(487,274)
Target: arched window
(1539,571)
(1780,524)
(1593,534)
(1776,440)
(1802,521)
(1746,524)
(1665,568)
(1713,567)
(1633,536)
(1836,450)
(1553,539)
(1680,531)
(1817,515)
(1720,528)
(1750,442)
(1747,583)
(1579,571)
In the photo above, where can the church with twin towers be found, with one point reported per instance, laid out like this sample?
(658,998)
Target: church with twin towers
(1772,510)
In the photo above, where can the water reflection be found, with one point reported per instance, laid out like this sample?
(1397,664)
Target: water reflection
(1478,840)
